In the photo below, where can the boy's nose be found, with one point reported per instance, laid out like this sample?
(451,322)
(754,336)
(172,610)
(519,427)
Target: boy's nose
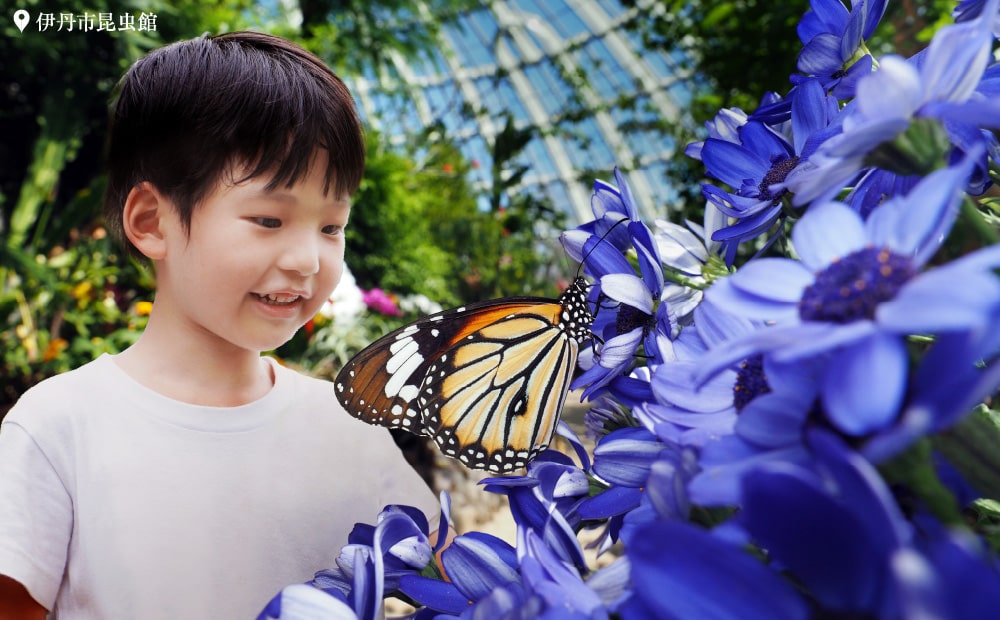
(300,256)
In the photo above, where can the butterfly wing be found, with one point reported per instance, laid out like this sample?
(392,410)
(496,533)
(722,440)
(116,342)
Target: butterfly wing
(487,381)
(493,400)
(381,383)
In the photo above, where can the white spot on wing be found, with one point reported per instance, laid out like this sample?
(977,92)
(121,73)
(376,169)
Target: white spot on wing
(404,347)
(403,363)
(407,392)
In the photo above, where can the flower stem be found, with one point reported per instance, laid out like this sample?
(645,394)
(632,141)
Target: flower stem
(975,219)
(973,447)
(913,470)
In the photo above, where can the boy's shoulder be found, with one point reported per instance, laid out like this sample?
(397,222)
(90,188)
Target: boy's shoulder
(48,411)
(77,386)
(99,393)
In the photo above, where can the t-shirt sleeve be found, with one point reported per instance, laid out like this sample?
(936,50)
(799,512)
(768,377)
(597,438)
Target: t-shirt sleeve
(36,516)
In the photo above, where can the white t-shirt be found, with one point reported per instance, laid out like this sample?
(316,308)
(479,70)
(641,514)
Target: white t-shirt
(119,503)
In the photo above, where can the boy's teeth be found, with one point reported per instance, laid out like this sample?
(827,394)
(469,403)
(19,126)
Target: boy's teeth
(278,299)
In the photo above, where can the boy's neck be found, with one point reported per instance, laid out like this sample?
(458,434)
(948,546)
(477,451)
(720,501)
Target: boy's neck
(216,378)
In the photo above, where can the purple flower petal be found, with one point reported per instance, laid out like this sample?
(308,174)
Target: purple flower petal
(303,602)
(916,225)
(956,58)
(477,563)
(777,279)
(864,385)
(672,386)
(682,571)
(945,299)
(895,76)
(732,163)
(816,243)
(772,420)
(819,55)
(628,288)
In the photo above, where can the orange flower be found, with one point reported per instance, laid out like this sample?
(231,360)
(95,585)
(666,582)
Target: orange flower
(56,346)
(143,308)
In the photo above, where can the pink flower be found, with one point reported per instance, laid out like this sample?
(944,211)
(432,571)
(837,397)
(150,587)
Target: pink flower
(378,300)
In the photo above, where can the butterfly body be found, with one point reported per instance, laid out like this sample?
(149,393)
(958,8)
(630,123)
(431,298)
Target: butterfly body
(486,381)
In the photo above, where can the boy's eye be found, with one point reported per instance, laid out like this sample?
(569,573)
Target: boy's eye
(267,222)
(332,229)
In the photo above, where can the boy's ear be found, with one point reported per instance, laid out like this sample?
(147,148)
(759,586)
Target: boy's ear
(145,218)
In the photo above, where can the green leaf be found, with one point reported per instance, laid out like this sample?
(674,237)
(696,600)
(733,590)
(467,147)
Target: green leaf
(973,447)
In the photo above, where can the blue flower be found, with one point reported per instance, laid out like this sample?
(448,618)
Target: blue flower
(951,576)
(837,529)
(546,502)
(398,544)
(691,261)
(681,571)
(490,579)
(606,414)
(724,126)
(834,40)
(689,413)
(629,312)
(756,168)
(957,372)
(302,602)
(770,428)
(939,84)
(873,187)
(855,294)
(369,568)
(611,206)
(643,479)
(476,565)
(759,399)
(560,585)
(968,10)
(847,515)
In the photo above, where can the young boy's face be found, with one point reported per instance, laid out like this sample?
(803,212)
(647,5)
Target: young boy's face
(255,265)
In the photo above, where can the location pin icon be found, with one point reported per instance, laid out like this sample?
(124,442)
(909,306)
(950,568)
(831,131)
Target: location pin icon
(21,18)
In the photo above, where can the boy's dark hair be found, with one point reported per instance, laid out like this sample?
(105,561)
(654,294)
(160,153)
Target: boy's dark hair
(192,111)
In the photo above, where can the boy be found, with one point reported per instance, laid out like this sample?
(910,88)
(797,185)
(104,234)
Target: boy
(189,477)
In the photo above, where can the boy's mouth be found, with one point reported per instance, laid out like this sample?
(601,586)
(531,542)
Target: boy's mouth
(277,299)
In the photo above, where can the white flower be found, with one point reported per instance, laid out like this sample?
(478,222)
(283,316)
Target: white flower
(418,304)
(346,304)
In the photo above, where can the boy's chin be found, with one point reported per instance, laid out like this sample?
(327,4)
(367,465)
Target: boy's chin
(263,345)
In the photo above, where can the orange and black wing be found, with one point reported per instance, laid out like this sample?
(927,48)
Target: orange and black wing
(486,381)
(493,400)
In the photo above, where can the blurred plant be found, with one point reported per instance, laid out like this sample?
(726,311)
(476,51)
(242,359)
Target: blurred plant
(62,309)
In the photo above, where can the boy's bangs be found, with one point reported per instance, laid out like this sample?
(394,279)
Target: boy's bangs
(283,117)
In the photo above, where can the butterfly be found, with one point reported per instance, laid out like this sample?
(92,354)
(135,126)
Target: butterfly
(486,381)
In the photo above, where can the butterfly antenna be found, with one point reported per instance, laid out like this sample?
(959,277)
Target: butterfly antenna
(600,240)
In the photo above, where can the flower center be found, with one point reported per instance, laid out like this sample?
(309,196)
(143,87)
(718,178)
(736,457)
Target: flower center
(853,286)
(630,318)
(750,382)
(779,170)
